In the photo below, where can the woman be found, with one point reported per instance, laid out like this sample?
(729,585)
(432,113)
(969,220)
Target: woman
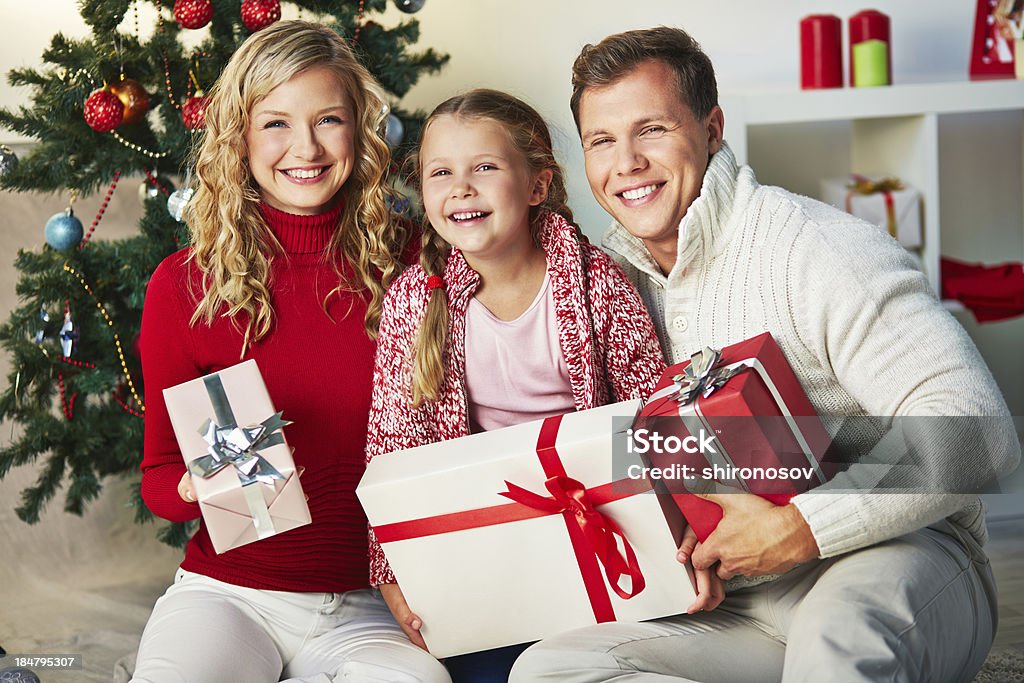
(293,247)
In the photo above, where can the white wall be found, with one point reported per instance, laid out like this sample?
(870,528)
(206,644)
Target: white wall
(527,48)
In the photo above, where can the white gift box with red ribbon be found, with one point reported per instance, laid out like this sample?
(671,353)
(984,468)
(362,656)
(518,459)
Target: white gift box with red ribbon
(893,206)
(522,533)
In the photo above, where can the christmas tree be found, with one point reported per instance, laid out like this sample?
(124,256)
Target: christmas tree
(128,100)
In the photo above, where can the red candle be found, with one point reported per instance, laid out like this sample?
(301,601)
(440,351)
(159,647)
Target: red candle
(870,25)
(821,55)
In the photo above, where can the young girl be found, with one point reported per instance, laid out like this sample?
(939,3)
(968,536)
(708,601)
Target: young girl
(292,249)
(511,314)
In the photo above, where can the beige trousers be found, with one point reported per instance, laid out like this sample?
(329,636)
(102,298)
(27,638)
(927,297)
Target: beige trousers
(921,607)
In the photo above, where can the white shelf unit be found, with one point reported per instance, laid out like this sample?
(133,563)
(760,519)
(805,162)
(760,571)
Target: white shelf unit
(892,130)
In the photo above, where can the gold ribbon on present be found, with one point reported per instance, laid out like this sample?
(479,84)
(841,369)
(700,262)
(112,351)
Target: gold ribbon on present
(886,186)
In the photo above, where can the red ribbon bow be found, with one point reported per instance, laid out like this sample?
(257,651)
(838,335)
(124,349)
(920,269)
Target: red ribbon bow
(593,535)
(570,499)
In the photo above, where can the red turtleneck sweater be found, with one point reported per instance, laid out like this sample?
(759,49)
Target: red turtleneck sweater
(318,370)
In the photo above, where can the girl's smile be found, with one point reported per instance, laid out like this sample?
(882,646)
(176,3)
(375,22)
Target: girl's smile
(478,188)
(468,217)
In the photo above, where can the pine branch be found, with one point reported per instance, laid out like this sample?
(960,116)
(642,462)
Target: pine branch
(84,487)
(176,535)
(103,15)
(34,497)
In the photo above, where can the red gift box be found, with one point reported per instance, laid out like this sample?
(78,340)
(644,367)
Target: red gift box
(749,407)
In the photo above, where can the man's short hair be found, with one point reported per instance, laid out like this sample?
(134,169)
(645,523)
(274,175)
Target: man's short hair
(617,55)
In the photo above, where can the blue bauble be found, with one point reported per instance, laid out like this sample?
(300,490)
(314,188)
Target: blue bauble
(63,230)
(394,131)
(403,200)
(410,6)
(398,204)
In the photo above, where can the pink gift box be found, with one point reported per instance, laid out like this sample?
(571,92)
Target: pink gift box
(242,468)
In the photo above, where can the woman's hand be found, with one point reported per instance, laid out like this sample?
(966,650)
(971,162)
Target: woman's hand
(409,622)
(188,493)
(185,490)
(710,591)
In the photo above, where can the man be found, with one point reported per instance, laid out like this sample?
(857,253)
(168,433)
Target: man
(858,586)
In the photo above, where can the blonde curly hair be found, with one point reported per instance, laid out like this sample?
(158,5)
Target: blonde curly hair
(231,243)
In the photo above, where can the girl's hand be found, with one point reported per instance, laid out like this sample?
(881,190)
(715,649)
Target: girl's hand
(185,490)
(710,591)
(409,622)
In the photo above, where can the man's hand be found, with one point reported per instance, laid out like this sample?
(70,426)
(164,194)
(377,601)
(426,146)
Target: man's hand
(410,623)
(710,591)
(754,537)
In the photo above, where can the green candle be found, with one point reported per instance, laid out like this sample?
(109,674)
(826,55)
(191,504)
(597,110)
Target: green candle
(869,63)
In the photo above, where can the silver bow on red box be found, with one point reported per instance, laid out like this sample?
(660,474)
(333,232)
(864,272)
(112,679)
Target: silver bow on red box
(702,376)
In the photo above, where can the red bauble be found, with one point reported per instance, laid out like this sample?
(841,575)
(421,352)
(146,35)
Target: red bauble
(193,13)
(103,110)
(193,112)
(134,98)
(257,14)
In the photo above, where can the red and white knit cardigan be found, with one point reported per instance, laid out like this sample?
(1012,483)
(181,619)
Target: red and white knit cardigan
(606,335)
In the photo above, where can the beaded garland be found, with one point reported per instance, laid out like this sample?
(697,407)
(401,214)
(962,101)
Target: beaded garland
(103,208)
(68,268)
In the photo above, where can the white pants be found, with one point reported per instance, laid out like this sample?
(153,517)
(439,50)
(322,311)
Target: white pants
(207,631)
(921,607)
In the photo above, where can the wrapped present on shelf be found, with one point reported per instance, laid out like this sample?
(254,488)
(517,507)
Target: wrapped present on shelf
(521,533)
(242,468)
(886,202)
(756,429)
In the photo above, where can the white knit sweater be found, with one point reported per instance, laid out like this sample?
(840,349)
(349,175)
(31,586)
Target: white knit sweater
(857,321)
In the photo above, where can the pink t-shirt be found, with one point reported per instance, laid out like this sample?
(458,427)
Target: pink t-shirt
(515,371)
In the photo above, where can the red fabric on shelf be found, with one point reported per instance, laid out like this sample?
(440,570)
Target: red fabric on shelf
(991,293)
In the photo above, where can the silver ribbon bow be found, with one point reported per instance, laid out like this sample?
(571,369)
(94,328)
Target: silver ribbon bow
(239,446)
(702,376)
